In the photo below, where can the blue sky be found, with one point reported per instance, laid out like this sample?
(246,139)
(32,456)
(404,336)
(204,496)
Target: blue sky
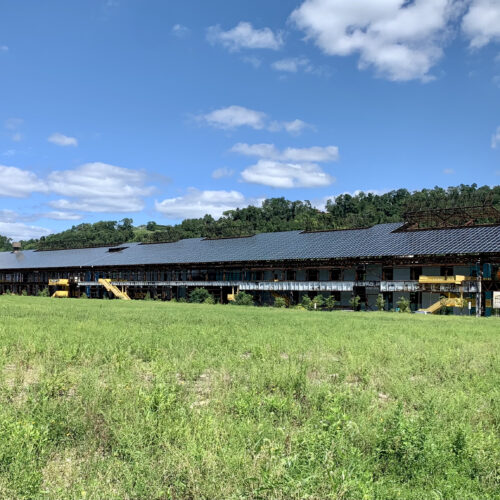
(161,110)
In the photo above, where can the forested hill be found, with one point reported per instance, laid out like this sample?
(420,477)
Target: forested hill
(275,214)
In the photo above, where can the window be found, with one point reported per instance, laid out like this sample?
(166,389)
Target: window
(336,274)
(387,273)
(290,275)
(415,273)
(312,275)
(446,271)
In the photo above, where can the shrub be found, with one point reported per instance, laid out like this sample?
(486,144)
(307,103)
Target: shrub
(318,302)
(306,302)
(83,296)
(403,304)
(330,303)
(380,303)
(279,302)
(182,300)
(199,295)
(209,300)
(24,293)
(43,293)
(147,296)
(354,302)
(243,299)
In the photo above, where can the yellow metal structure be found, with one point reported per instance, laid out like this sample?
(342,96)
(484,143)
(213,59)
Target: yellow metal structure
(60,294)
(442,280)
(113,289)
(64,284)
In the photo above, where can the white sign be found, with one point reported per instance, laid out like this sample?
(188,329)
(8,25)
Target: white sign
(496,300)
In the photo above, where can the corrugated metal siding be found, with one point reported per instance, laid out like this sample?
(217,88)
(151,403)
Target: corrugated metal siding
(377,241)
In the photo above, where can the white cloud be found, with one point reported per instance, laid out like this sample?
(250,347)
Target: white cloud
(13,123)
(4,48)
(315,154)
(180,31)
(235,116)
(56,215)
(448,171)
(219,173)
(252,60)
(495,138)
(232,117)
(18,183)
(62,140)
(196,203)
(482,22)
(286,175)
(402,39)
(21,231)
(292,65)
(99,187)
(245,36)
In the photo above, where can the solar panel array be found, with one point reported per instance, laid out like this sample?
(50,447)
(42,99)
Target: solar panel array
(377,241)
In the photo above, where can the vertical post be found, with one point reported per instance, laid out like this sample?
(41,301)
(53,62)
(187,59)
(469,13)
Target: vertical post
(479,293)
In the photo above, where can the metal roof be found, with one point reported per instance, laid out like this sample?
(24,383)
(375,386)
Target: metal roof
(377,241)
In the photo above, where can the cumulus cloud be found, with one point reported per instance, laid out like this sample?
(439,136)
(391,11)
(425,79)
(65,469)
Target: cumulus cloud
(292,65)
(495,138)
(180,31)
(62,140)
(233,117)
(219,173)
(197,203)
(482,22)
(402,40)
(288,168)
(317,154)
(18,183)
(21,231)
(99,187)
(57,215)
(286,175)
(245,36)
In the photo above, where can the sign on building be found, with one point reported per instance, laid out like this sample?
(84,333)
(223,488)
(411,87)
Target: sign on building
(496,300)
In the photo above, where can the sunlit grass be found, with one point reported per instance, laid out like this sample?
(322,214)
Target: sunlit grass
(107,399)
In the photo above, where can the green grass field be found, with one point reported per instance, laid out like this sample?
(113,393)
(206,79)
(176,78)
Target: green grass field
(146,400)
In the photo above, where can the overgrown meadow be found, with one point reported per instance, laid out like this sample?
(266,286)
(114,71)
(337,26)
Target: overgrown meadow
(150,400)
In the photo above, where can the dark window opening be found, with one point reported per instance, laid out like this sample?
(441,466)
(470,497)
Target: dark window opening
(312,275)
(387,273)
(446,271)
(415,273)
(336,274)
(290,275)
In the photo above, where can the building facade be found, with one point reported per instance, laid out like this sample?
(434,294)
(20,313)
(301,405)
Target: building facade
(423,266)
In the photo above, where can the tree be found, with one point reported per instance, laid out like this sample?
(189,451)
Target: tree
(199,295)
(380,303)
(403,305)
(243,299)
(354,302)
(330,303)
(279,302)
(318,302)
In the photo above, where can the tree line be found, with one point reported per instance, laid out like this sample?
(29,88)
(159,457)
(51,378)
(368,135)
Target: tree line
(276,214)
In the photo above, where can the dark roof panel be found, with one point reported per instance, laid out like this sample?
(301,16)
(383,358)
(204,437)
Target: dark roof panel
(377,241)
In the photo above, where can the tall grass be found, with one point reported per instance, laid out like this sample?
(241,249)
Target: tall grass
(158,400)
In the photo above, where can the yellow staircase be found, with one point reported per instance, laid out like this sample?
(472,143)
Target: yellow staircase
(449,302)
(60,294)
(113,289)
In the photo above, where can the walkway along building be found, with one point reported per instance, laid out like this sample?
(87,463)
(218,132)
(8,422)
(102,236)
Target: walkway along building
(421,265)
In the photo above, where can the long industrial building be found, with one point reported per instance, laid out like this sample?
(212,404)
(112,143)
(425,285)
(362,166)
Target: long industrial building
(422,265)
